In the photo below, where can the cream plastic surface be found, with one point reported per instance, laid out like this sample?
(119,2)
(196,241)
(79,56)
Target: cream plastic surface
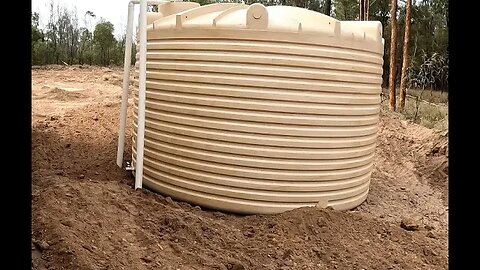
(255,109)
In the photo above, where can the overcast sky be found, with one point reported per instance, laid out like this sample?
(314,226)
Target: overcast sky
(114,11)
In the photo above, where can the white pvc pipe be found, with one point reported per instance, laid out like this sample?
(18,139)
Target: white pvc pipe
(141,88)
(141,93)
(126,83)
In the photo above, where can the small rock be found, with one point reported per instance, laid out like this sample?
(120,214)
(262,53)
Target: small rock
(402,188)
(169,200)
(288,253)
(430,234)
(67,223)
(68,145)
(279,253)
(95,118)
(42,245)
(218,214)
(147,259)
(60,172)
(53,118)
(87,247)
(322,204)
(235,266)
(409,224)
(382,216)
(288,263)
(81,176)
(248,233)
(429,252)
(429,227)
(198,207)
(97,173)
(321,222)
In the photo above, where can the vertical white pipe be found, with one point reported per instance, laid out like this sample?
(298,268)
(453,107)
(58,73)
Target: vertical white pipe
(141,94)
(126,83)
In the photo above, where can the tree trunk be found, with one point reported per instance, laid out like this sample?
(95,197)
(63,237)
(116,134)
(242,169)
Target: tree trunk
(362,2)
(102,56)
(328,7)
(363,6)
(393,56)
(366,6)
(406,55)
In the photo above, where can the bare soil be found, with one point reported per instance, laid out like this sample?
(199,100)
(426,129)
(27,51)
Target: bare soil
(86,214)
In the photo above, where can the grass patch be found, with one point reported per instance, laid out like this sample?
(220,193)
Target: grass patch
(431,111)
(434,97)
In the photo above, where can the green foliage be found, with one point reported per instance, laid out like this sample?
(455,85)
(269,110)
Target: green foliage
(39,52)
(426,114)
(429,44)
(37,34)
(345,10)
(39,47)
(63,41)
(204,2)
(103,39)
(432,72)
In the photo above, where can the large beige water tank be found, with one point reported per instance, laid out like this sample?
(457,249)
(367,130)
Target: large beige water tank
(255,109)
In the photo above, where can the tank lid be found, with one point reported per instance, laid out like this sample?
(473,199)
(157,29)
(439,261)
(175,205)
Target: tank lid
(271,18)
(169,8)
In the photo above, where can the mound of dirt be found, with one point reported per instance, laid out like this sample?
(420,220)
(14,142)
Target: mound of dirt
(433,163)
(113,78)
(63,94)
(86,214)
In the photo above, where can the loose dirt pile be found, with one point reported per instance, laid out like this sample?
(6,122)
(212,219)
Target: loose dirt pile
(86,215)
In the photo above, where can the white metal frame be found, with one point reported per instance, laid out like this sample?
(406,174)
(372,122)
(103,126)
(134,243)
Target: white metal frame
(141,87)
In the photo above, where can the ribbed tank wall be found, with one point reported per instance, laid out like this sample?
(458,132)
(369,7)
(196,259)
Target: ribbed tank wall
(258,125)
